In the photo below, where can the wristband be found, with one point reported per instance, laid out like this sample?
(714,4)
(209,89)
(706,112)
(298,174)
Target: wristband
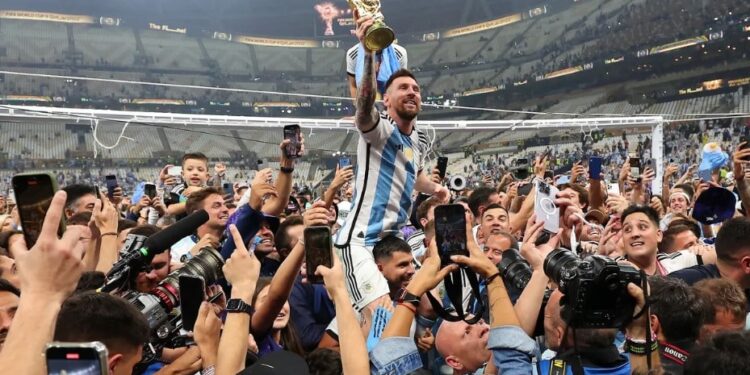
(287,170)
(493,277)
(639,348)
(108,234)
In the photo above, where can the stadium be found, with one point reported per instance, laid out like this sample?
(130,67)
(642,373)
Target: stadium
(126,88)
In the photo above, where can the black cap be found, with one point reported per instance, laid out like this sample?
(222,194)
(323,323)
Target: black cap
(278,363)
(715,205)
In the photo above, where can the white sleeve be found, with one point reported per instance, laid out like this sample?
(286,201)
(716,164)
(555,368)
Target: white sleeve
(351,60)
(379,133)
(679,260)
(404,60)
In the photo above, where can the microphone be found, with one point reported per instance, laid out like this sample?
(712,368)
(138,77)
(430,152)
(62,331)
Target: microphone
(165,238)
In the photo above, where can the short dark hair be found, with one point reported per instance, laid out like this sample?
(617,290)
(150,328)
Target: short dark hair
(495,206)
(124,224)
(282,238)
(480,197)
(652,215)
(147,230)
(425,207)
(195,200)
(398,74)
(678,307)
(90,280)
(196,156)
(6,286)
(92,316)
(76,191)
(388,245)
(725,353)
(323,361)
(687,188)
(80,218)
(669,235)
(583,194)
(732,238)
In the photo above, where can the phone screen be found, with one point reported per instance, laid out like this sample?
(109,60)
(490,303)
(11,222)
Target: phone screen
(450,231)
(111,184)
(345,162)
(705,175)
(635,167)
(228,188)
(75,360)
(545,208)
(192,293)
(149,190)
(175,171)
(292,132)
(442,165)
(595,167)
(34,195)
(317,251)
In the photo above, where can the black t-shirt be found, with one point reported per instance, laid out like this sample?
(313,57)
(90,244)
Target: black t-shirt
(692,275)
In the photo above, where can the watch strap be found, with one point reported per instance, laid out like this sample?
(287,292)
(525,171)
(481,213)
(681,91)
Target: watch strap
(406,297)
(237,305)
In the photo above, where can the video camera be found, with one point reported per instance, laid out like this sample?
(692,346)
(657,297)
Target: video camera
(595,289)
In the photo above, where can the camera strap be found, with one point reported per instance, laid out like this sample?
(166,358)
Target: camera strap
(454,290)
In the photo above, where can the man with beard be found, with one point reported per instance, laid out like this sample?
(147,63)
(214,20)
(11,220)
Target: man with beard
(391,154)
(208,234)
(394,259)
(9,297)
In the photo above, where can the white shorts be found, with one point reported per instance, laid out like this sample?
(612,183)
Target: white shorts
(364,281)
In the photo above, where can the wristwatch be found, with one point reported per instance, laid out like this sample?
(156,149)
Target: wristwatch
(236,305)
(406,297)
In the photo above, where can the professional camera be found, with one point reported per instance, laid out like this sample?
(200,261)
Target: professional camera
(595,289)
(457,183)
(514,269)
(158,305)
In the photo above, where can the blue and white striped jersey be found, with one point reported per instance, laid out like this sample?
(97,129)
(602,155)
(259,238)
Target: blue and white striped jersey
(388,163)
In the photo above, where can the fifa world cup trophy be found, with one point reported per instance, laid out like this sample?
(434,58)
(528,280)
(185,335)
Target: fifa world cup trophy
(379,36)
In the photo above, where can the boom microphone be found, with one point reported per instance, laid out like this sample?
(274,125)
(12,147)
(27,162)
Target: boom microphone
(165,238)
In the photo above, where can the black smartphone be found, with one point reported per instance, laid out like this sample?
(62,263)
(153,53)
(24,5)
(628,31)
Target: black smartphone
(635,168)
(149,190)
(525,189)
(76,358)
(345,162)
(192,294)
(317,251)
(450,232)
(111,181)
(228,188)
(595,167)
(34,194)
(745,139)
(292,133)
(442,165)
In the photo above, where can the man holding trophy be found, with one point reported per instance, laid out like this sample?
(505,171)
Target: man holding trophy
(390,157)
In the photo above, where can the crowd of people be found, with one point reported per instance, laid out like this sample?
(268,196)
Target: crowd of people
(568,276)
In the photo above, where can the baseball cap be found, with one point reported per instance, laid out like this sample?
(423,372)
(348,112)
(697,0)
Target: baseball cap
(715,205)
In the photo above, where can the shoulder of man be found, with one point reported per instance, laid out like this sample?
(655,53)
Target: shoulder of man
(692,275)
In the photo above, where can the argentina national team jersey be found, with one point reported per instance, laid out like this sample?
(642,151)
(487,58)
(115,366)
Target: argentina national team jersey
(388,162)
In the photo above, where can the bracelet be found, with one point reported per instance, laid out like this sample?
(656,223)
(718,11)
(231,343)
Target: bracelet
(493,277)
(287,170)
(408,306)
(108,234)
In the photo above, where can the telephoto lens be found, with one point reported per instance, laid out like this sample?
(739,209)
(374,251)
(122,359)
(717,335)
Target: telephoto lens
(206,265)
(514,269)
(560,266)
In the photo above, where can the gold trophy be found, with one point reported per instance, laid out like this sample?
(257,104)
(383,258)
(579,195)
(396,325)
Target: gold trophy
(379,35)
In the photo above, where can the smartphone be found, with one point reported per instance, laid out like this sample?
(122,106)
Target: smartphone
(292,133)
(705,175)
(175,171)
(318,251)
(228,188)
(545,208)
(442,165)
(149,190)
(345,162)
(111,181)
(76,358)
(34,194)
(450,232)
(745,139)
(192,294)
(525,189)
(595,167)
(635,168)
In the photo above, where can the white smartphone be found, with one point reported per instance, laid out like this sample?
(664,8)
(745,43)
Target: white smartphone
(175,171)
(545,208)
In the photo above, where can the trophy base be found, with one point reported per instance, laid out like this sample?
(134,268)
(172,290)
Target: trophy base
(379,36)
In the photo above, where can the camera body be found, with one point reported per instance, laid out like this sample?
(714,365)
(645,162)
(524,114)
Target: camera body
(595,289)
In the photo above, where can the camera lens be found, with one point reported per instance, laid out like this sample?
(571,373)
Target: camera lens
(559,264)
(207,265)
(514,269)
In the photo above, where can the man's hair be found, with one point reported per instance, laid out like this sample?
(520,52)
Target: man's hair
(726,353)
(195,200)
(583,194)
(513,241)
(480,197)
(721,293)
(147,230)
(732,238)
(687,189)
(124,224)
(92,316)
(678,307)
(495,206)
(425,207)
(388,245)
(670,234)
(75,192)
(398,74)
(652,215)
(6,286)
(80,218)
(682,219)
(282,238)
(324,361)
(195,156)
(90,280)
